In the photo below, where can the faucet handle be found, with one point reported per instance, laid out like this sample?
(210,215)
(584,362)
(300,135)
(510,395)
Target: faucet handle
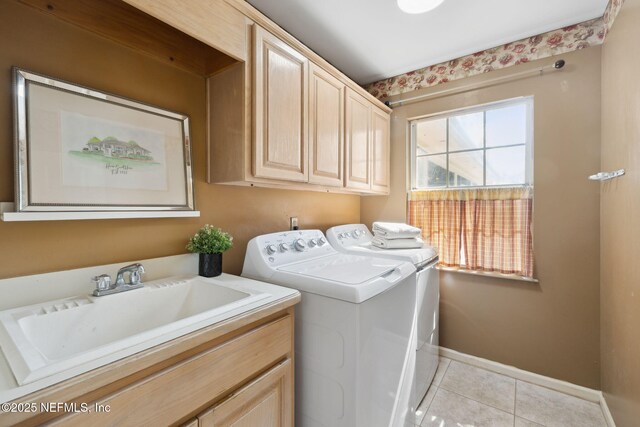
(102,282)
(135,270)
(135,277)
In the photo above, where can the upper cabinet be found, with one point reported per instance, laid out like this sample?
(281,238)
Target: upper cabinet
(367,146)
(358,137)
(287,119)
(326,128)
(281,81)
(380,151)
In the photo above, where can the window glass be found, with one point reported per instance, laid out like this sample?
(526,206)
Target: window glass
(483,147)
(432,171)
(466,132)
(431,137)
(505,166)
(467,167)
(507,126)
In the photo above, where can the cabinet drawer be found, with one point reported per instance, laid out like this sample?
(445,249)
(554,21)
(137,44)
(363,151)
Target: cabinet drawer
(167,396)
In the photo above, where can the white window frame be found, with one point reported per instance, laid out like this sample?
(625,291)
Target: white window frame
(526,100)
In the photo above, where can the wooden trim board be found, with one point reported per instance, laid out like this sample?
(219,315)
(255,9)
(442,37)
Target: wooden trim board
(129,26)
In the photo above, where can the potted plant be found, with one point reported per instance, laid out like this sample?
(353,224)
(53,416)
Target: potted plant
(210,242)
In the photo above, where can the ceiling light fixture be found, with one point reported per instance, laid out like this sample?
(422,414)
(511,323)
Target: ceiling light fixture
(418,6)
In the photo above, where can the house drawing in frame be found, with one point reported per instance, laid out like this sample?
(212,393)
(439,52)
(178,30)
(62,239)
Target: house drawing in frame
(112,147)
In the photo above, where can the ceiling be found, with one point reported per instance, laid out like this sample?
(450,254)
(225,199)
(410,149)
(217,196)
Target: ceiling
(372,39)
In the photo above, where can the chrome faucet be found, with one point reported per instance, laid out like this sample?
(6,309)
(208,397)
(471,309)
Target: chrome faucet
(105,287)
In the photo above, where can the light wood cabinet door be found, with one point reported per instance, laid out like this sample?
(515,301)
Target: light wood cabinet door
(380,151)
(264,402)
(357,146)
(326,128)
(281,77)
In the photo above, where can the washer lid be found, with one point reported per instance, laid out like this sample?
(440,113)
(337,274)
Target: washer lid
(415,256)
(347,277)
(343,268)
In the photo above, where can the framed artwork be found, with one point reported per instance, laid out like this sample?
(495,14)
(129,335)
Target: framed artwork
(79,149)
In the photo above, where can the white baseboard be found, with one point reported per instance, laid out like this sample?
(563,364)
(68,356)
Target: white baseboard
(605,410)
(585,393)
(562,386)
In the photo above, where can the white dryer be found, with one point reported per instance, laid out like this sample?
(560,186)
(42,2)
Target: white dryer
(356,239)
(353,336)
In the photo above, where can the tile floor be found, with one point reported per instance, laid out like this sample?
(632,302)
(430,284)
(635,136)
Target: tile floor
(462,395)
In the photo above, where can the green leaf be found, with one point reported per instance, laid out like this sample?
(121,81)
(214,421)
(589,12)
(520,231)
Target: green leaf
(210,240)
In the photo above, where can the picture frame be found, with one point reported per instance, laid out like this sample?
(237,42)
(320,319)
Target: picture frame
(84,150)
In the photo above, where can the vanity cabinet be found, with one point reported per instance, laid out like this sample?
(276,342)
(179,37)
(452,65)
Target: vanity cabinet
(281,74)
(367,146)
(230,374)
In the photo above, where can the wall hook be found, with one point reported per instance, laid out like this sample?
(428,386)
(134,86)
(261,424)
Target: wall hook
(605,176)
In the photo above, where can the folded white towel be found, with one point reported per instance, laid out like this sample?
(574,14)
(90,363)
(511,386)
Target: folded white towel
(383,243)
(395,230)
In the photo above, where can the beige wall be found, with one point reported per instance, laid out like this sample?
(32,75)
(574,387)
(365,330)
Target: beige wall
(551,328)
(42,44)
(620,215)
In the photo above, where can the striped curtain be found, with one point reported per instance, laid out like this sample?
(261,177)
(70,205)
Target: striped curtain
(441,221)
(483,229)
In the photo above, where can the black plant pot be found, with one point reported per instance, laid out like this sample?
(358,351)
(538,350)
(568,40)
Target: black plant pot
(210,265)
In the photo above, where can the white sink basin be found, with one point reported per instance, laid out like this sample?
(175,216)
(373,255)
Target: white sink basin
(82,333)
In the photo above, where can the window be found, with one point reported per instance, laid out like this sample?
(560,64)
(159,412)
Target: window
(471,186)
(484,146)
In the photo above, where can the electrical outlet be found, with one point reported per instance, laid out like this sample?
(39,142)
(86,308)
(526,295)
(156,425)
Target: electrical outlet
(293,223)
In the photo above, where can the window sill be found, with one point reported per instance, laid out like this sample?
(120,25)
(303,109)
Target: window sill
(487,274)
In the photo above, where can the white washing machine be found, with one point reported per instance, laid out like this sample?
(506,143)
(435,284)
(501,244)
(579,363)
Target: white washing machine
(353,335)
(356,239)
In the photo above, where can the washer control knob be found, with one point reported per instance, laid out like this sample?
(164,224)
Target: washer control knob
(355,234)
(300,245)
(284,247)
(313,243)
(322,241)
(271,249)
